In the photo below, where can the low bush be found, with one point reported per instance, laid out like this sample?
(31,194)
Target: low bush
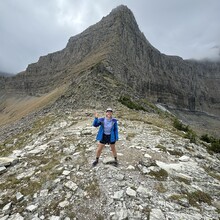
(125,100)
(190,134)
(215,143)
(199,197)
(180,126)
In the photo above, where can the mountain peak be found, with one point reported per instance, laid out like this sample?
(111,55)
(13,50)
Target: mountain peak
(121,8)
(123,12)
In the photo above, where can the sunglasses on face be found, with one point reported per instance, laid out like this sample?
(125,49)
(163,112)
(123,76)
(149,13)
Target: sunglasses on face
(108,111)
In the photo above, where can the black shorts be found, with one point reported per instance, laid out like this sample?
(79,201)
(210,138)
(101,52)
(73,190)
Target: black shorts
(106,139)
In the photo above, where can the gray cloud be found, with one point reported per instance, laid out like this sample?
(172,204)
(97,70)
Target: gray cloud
(32,28)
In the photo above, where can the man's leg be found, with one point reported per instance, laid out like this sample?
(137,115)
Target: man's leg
(98,153)
(114,152)
(99,149)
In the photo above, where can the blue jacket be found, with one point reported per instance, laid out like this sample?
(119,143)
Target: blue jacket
(114,131)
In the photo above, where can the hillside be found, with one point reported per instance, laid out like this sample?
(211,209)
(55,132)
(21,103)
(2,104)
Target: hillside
(161,175)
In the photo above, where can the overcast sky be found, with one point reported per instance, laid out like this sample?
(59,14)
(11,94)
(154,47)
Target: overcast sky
(32,28)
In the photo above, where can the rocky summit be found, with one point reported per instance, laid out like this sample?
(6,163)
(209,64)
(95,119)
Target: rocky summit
(47,142)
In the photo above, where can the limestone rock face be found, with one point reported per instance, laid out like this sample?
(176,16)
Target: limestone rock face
(117,43)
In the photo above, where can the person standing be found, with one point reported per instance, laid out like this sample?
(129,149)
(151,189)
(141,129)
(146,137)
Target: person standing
(107,134)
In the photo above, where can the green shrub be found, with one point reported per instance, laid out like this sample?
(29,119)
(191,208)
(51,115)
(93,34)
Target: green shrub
(125,100)
(206,138)
(215,146)
(215,143)
(199,197)
(160,175)
(190,134)
(180,126)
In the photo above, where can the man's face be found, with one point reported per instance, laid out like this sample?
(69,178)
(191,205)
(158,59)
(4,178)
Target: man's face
(109,114)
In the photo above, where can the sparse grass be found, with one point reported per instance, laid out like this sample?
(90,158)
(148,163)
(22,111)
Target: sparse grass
(11,183)
(180,179)
(160,187)
(30,187)
(19,106)
(177,197)
(53,208)
(93,189)
(175,152)
(190,134)
(215,143)
(23,137)
(130,136)
(126,100)
(194,198)
(197,197)
(159,175)
(180,126)
(213,174)
(147,211)
(162,148)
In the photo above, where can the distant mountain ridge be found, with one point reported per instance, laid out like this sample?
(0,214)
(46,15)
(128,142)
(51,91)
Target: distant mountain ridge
(115,48)
(5,74)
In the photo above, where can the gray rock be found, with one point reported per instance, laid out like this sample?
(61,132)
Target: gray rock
(66,172)
(157,214)
(2,169)
(107,160)
(216,204)
(8,161)
(184,158)
(143,191)
(71,185)
(122,214)
(53,217)
(63,204)
(118,195)
(184,176)
(16,216)
(31,208)
(6,208)
(19,196)
(131,192)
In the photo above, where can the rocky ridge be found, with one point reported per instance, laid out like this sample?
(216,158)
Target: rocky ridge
(160,175)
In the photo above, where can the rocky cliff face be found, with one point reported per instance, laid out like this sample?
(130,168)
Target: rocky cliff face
(161,78)
(117,42)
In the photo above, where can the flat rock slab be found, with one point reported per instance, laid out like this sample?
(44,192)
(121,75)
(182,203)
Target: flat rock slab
(108,160)
(8,161)
(3,170)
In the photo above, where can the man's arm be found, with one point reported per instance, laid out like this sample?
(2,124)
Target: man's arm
(96,121)
(116,131)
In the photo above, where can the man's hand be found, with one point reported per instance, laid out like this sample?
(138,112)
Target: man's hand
(96,115)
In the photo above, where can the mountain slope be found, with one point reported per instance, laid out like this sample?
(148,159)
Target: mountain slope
(160,175)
